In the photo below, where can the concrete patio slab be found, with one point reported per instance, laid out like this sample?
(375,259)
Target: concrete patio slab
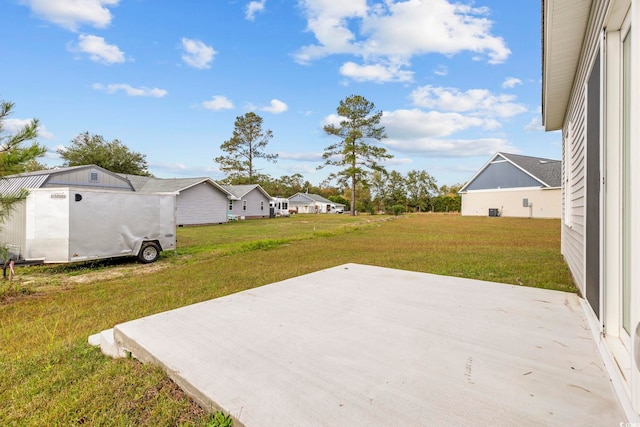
(359,345)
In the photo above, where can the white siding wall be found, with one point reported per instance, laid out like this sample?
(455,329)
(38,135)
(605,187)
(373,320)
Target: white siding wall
(253,198)
(574,145)
(546,203)
(201,204)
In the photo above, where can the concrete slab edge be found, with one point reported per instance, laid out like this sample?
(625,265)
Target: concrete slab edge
(610,365)
(106,342)
(131,347)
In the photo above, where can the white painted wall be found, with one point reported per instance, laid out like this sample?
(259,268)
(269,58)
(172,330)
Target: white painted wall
(545,203)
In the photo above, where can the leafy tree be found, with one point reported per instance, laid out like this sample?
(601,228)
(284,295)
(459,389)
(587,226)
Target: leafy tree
(353,153)
(378,188)
(448,199)
(87,149)
(14,156)
(421,188)
(245,146)
(396,190)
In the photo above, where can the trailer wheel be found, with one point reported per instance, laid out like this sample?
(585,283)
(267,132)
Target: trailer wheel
(149,252)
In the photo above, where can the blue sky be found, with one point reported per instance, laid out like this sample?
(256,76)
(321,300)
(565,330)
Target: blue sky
(457,81)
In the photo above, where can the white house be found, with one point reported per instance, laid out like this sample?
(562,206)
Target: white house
(591,93)
(199,201)
(248,201)
(313,203)
(516,186)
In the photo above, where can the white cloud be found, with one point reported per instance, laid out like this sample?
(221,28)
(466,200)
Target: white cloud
(373,32)
(441,70)
(254,7)
(475,101)
(433,133)
(99,50)
(276,107)
(410,124)
(130,90)
(217,103)
(511,82)
(437,147)
(304,157)
(535,125)
(197,54)
(378,73)
(13,126)
(70,14)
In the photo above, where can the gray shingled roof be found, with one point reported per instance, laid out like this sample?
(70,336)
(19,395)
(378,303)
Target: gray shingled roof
(548,171)
(239,191)
(145,184)
(314,197)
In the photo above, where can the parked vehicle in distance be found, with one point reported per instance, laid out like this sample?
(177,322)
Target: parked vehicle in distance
(280,206)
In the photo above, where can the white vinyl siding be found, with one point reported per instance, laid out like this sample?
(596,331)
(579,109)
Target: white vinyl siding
(546,203)
(201,204)
(567,170)
(573,238)
(253,204)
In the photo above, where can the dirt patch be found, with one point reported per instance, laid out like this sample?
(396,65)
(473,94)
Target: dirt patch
(30,284)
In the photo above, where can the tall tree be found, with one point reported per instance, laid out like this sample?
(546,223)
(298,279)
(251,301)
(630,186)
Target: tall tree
(245,146)
(14,156)
(87,149)
(354,153)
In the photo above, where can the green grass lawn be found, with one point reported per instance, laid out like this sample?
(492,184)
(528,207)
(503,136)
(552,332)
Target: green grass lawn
(49,375)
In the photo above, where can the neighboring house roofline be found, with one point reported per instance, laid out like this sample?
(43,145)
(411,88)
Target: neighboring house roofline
(145,184)
(514,160)
(313,197)
(237,192)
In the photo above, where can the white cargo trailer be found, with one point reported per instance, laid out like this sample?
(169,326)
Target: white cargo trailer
(60,225)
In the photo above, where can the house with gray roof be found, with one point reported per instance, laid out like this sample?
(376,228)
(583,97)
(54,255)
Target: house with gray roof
(199,201)
(516,186)
(313,203)
(248,201)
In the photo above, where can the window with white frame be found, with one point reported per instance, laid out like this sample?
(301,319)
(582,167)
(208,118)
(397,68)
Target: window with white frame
(244,205)
(262,205)
(230,205)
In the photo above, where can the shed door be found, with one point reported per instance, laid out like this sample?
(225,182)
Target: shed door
(592,250)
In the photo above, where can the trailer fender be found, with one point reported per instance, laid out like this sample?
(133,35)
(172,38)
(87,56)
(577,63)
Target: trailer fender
(148,251)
